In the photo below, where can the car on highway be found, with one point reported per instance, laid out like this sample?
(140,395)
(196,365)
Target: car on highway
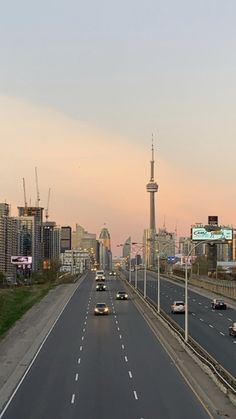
(112,273)
(101,308)
(122,295)
(100,287)
(232,330)
(178,307)
(218,304)
(100,275)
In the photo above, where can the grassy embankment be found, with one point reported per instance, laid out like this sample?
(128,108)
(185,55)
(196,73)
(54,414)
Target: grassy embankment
(14,302)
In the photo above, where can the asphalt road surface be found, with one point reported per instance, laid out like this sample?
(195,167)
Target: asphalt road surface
(103,367)
(207,326)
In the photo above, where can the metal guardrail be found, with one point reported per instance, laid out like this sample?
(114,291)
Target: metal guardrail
(228,380)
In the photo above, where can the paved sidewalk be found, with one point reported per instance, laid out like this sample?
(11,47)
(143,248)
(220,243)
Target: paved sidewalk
(19,346)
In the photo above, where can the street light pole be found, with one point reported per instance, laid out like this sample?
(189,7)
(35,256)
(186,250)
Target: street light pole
(130,266)
(145,280)
(136,273)
(158,282)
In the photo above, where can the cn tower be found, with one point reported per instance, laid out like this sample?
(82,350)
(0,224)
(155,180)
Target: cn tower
(152,188)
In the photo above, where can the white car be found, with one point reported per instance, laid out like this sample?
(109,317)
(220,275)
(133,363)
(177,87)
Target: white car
(178,307)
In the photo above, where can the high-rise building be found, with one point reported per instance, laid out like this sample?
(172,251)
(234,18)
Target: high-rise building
(8,243)
(4,209)
(37,243)
(83,240)
(66,238)
(51,241)
(105,254)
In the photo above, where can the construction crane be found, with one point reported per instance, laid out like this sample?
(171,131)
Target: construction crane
(37,187)
(46,210)
(25,202)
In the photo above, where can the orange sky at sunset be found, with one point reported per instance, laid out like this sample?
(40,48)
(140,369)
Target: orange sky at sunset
(96,177)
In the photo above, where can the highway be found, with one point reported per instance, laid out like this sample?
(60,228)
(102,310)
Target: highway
(208,327)
(103,367)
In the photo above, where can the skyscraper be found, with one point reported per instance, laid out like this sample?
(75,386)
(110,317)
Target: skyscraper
(105,255)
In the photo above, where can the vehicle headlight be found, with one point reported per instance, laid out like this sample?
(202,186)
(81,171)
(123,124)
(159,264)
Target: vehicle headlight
(96,309)
(126,295)
(106,309)
(117,295)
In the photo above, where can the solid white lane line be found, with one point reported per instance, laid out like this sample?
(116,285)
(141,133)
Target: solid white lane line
(210,325)
(126,359)
(135,395)
(73,399)
(130,374)
(76,377)
(222,333)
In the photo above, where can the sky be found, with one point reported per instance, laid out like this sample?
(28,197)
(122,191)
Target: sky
(84,85)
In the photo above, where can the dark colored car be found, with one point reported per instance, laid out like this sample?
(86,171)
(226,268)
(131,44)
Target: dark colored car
(218,304)
(101,308)
(100,287)
(112,273)
(121,295)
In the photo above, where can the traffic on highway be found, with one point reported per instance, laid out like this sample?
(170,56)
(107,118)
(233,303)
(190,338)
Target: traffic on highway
(210,319)
(103,366)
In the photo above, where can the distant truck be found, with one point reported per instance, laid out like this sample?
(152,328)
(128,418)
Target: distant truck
(100,275)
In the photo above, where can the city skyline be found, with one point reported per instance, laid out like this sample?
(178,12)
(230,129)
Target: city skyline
(84,87)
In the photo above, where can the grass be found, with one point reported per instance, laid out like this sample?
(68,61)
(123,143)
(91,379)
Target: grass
(15,302)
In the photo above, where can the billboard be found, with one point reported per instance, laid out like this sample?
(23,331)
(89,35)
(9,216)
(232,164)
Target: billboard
(200,233)
(21,260)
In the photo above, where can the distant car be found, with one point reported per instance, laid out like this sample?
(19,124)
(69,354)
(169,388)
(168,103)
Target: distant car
(100,275)
(112,273)
(100,287)
(217,304)
(122,295)
(178,307)
(232,330)
(101,308)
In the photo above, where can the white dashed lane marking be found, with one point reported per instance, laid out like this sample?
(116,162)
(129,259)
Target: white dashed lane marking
(81,348)
(79,360)
(76,377)
(126,359)
(210,325)
(73,399)
(123,346)
(135,395)
(130,374)
(230,320)
(222,333)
